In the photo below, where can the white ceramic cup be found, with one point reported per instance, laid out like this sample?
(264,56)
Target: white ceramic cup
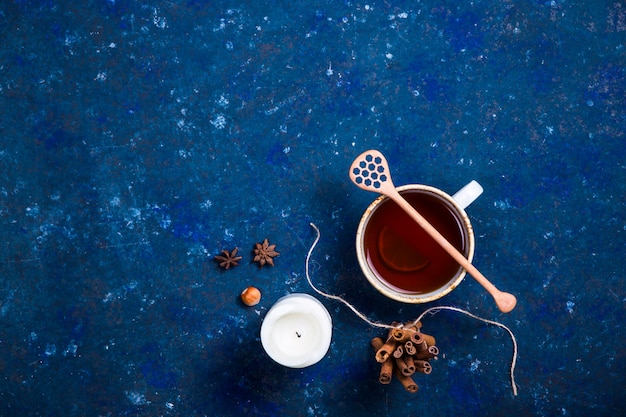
(456,205)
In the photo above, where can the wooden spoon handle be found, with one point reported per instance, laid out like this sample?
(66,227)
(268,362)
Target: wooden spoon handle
(505,301)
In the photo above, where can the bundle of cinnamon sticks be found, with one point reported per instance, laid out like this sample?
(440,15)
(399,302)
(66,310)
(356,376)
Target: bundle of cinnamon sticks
(405,352)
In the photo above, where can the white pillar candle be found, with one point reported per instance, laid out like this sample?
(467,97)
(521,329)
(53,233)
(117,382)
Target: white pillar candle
(296,331)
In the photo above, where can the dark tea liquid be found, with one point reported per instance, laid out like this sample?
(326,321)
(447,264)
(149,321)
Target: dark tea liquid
(433,267)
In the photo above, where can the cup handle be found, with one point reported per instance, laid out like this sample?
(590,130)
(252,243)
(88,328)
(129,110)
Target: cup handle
(466,195)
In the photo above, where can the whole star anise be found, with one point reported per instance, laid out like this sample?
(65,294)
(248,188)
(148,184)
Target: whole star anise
(264,253)
(228,259)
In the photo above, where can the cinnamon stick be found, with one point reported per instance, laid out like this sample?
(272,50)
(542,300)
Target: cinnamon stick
(428,353)
(410,365)
(430,340)
(402,367)
(421,347)
(401,335)
(417,338)
(398,352)
(383,353)
(433,350)
(425,368)
(409,348)
(386,370)
(407,382)
(377,343)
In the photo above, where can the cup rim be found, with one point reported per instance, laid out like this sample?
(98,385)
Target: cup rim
(379,284)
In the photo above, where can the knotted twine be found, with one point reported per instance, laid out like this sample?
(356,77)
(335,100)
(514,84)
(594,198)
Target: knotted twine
(431,311)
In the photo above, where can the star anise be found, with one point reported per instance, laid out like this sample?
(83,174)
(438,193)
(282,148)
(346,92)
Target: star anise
(228,259)
(264,253)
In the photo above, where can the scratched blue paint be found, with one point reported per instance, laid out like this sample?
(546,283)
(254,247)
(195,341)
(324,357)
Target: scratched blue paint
(277,156)
(186,220)
(158,375)
(435,89)
(465,390)
(116,8)
(119,182)
(465,31)
(75,321)
(606,85)
(52,136)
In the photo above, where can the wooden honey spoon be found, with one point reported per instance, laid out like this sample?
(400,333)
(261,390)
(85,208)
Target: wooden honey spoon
(370,172)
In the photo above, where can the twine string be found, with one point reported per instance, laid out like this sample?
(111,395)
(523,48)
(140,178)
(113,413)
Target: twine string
(435,310)
(431,310)
(336,297)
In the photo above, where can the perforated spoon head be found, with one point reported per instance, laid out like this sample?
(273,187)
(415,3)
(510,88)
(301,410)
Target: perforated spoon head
(370,172)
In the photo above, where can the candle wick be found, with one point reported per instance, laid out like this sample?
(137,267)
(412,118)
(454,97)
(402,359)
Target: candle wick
(298,334)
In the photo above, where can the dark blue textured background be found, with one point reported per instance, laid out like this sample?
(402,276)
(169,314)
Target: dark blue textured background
(138,139)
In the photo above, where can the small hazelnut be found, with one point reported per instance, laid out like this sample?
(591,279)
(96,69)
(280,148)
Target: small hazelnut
(251,296)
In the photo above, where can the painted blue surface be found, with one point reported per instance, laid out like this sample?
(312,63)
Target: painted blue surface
(141,138)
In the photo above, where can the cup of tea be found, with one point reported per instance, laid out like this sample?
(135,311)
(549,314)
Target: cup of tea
(400,259)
